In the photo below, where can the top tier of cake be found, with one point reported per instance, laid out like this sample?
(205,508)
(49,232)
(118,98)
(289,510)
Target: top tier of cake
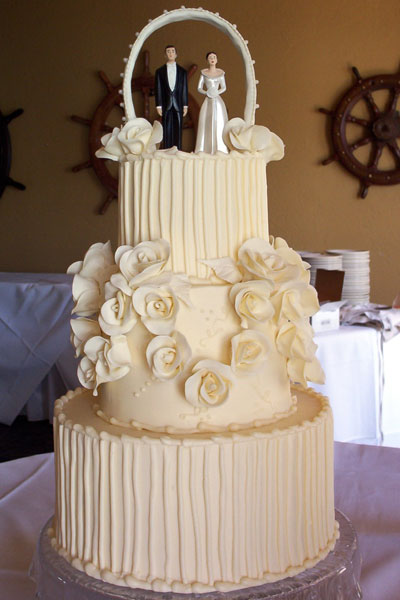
(204,206)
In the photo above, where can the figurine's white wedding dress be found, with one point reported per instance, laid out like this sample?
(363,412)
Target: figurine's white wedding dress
(213,115)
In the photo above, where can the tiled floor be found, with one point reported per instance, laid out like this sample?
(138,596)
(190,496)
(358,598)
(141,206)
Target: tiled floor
(24,438)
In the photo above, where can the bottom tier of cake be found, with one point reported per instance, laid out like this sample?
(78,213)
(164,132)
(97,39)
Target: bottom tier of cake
(198,512)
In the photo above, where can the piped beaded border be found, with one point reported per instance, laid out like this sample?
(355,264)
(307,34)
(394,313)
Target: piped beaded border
(172,437)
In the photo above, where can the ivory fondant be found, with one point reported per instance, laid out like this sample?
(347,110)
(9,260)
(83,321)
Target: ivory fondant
(194,513)
(199,204)
(147,402)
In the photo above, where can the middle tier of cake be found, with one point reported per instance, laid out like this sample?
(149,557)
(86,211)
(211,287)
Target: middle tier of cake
(205,206)
(244,373)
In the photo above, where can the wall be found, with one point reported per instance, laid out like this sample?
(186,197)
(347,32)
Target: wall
(50,53)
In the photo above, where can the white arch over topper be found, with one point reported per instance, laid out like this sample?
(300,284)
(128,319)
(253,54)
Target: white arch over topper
(193,14)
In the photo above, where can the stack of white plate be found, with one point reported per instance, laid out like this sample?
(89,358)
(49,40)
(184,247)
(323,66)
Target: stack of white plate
(356,286)
(317,260)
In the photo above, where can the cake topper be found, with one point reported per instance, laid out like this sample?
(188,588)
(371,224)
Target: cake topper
(193,14)
(171,98)
(213,116)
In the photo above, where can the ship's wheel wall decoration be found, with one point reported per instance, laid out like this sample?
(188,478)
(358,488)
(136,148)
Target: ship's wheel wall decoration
(98,125)
(5,152)
(380,131)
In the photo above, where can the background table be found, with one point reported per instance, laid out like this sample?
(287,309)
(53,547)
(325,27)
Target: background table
(367,489)
(36,361)
(362,383)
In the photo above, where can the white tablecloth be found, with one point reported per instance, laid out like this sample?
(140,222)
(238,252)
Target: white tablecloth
(362,383)
(367,488)
(36,362)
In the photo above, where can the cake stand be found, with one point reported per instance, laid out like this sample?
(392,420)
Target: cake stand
(334,578)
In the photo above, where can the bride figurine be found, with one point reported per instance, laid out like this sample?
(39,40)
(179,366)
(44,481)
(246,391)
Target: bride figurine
(213,115)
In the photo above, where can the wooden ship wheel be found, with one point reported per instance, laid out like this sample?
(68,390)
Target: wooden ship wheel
(98,125)
(5,152)
(380,130)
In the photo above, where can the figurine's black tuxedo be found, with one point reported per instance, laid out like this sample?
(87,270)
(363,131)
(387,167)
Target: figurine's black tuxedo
(172,103)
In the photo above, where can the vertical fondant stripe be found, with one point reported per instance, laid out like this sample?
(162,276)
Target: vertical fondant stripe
(250,511)
(62,473)
(186,531)
(88,497)
(211,494)
(156,516)
(176,217)
(104,505)
(200,214)
(249,200)
(136,171)
(188,216)
(141,468)
(198,509)
(299,457)
(320,490)
(226,512)
(231,211)
(330,509)
(67,504)
(261,505)
(80,497)
(116,507)
(171,525)
(313,492)
(129,506)
(96,503)
(273,508)
(291,500)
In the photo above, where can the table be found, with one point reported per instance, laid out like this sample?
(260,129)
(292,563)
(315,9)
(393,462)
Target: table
(362,383)
(36,362)
(367,488)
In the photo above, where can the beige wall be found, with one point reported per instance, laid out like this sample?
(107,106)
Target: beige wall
(50,52)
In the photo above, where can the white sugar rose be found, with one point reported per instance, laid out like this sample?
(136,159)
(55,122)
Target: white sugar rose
(225,268)
(104,360)
(291,257)
(252,301)
(157,307)
(117,315)
(112,148)
(295,301)
(295,340)
(91,273)
(139,263)
(258,258)
(136,137)
(209,385)
(139,136)
(167,355)
(300,371)
(249,352)
(238,135)
(83,329)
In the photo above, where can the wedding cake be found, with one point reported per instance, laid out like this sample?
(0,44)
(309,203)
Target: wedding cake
(194,458)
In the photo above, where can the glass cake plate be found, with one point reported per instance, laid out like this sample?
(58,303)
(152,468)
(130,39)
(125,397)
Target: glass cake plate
(334,578)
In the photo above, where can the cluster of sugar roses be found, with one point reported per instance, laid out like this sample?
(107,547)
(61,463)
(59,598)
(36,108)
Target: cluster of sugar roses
(269,285)
(111,293)
(271,294)
(138,137)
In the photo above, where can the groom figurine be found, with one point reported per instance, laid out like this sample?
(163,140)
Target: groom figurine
(171,98)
